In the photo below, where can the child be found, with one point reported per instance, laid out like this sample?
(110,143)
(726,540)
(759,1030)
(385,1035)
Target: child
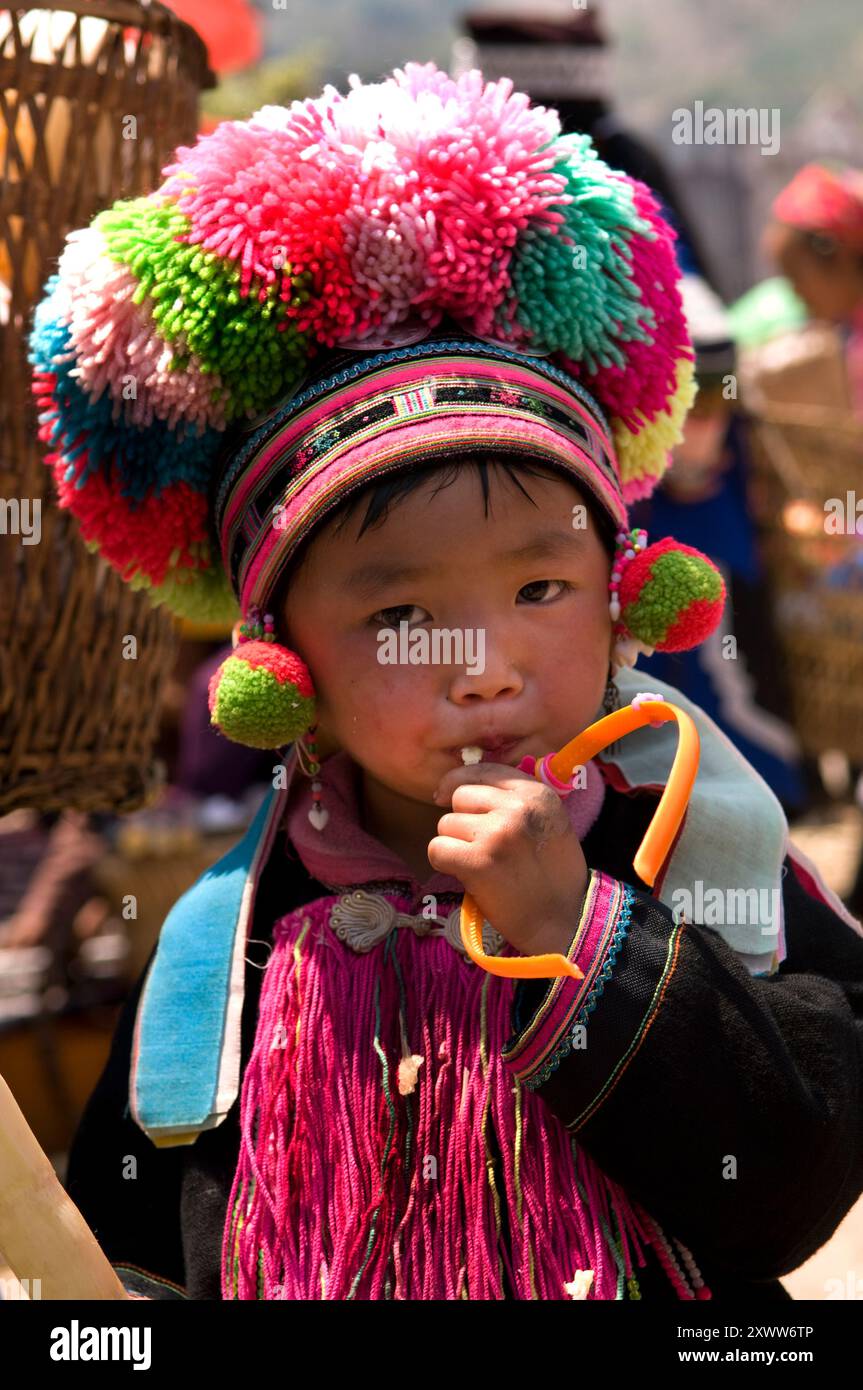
(816,237)
(313,1092)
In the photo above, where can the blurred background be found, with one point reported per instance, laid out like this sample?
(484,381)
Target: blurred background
(115,794)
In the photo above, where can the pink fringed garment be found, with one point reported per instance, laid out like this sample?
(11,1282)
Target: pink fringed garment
(347,1188)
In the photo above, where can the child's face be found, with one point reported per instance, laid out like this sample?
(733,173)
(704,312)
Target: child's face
(544,622)
(830,286)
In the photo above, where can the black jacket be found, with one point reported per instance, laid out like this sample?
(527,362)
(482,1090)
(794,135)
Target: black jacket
(767,1072)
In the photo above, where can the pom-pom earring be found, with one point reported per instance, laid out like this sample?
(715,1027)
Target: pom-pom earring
(664,597)
(262,694)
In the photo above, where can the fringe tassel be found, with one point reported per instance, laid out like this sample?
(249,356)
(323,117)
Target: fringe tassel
(365,1167)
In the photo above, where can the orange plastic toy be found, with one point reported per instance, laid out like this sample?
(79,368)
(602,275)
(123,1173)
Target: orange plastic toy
(651,852)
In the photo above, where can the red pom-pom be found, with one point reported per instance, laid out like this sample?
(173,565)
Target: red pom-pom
(285,665)
(671,596)
(262,696)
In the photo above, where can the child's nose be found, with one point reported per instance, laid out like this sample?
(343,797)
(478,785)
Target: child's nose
(495,683)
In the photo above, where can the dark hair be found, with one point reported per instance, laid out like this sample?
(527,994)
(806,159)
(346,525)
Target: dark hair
(386,492)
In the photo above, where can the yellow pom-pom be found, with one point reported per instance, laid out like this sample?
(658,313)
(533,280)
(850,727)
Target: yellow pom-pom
(644,457)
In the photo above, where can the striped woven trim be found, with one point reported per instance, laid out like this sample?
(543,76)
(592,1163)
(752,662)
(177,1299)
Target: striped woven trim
(421,441)
(541,1046)
(657,999)
(306,456)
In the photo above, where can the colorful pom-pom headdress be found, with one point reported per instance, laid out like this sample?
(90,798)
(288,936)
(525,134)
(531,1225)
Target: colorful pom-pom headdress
(341,288)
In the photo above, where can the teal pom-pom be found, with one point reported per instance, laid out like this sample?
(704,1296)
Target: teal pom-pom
(573,284)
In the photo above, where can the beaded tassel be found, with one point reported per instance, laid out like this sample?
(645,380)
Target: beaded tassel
(666,1257)
(626,546)
(318,815)
(255,630)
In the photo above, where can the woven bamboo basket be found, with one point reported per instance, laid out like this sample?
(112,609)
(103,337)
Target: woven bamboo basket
(803,457)
(94,98)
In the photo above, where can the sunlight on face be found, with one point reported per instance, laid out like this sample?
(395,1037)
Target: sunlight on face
(545,624)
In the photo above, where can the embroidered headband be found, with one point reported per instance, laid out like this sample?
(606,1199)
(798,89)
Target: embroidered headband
(297,309)
(385,412)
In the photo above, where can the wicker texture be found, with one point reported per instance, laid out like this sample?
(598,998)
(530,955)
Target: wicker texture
(78,718)
(805,456)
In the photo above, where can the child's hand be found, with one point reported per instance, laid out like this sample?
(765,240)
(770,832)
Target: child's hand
(510,842)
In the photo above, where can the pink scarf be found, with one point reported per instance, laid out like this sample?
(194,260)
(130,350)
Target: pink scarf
(344,853)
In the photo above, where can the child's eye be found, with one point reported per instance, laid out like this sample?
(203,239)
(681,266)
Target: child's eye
(538,584)
(384,616)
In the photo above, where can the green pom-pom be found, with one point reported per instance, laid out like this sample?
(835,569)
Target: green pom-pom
(201,596)
(197,307)
(262,696)
(671,596)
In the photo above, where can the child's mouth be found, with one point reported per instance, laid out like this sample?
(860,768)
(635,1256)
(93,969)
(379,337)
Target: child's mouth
(498,751)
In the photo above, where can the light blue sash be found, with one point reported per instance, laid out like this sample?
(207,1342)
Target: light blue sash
(725,870)
(185,1070)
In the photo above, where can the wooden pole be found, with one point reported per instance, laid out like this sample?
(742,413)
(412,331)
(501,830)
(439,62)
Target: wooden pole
(42,1233)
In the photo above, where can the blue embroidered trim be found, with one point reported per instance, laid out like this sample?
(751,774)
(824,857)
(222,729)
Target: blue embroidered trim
(565,1045)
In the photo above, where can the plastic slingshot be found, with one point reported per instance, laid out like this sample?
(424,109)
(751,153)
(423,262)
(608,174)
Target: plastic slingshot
(558,769)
